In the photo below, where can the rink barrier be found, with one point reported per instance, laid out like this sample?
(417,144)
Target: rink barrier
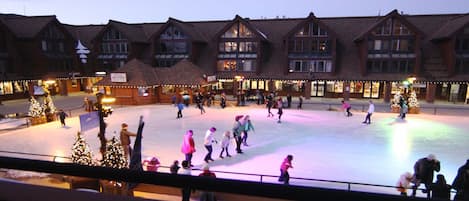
(220,185)
(262,177)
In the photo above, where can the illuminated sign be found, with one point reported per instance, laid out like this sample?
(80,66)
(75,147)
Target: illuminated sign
(118,77)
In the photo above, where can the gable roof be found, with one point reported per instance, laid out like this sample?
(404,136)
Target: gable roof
(182,73)
(392,14)
(27,27)
(187,28)
(85,33)
(246,23)
(310,18)
(140,74)
(451,27)
(133,32)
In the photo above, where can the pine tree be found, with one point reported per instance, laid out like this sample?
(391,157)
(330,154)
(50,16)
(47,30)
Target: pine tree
(396,100)
(413,101)
(81,152)
(49,105)
(35,109)
(114,155)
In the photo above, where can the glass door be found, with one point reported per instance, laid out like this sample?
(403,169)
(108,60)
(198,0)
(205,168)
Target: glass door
(317,89)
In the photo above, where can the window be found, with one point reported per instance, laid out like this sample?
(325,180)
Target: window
(400,29)
(400,45)
(248,46)
(168,89)
(384,29)
(44,45)
(143,91)
(238,30)
(356,87)
(462,65)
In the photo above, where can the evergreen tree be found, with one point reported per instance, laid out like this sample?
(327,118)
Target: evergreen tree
(413,101)
(49,105)
(81,152)
(114,155)
(395,100)
(35,109)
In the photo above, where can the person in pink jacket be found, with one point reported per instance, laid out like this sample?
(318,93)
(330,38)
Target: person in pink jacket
(286,164)
(188,146)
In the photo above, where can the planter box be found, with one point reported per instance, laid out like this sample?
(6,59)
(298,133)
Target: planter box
(414,110)
(38,120)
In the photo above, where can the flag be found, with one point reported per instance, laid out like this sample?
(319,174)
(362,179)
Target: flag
(136,156)
(89,121)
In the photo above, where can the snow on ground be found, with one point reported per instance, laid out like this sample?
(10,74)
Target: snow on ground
(325,144)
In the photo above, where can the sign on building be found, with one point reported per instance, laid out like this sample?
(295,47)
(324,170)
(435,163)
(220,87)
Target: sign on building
(118,77)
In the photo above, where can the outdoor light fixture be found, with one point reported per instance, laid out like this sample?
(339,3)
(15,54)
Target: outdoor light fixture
(50,82)
(108,100)
(239,77)
(100,73)
(411,79)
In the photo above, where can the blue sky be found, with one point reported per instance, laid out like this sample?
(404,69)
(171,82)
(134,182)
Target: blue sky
(100,11)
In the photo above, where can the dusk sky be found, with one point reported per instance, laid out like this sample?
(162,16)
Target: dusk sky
(139,11)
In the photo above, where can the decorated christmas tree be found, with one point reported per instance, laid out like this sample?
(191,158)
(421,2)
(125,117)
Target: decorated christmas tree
(35,109)
(395,107)
(413,101)
(114,155)
(49,106)
(81,152)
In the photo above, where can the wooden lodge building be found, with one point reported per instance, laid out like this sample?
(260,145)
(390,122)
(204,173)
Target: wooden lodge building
(340,57)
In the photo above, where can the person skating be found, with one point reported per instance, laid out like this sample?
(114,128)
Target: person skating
(237,130)
(423,170)
(62,115)
(225,142)
(404,109)
(125,140)
(188,146)
(300,102)
(270,104)
(286,164)
(199,102)
(280,109)
(208,141)
(371,109)
(247,124)
(346,106)
(288,101)
(180,107)
(223,101)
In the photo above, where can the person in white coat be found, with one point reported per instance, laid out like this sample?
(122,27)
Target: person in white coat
(209,139)
(371,109)
(225,142)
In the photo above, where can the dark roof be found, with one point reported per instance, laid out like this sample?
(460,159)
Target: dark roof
(141,74)
(26,27)
(188,29)
(182,73)
(138,74)
(451,27)
(247,23)
(84,33)
(393,13)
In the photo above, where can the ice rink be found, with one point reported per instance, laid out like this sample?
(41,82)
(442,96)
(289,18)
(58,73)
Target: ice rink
(325,144)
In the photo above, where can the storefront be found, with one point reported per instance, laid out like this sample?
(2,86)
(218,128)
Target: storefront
(14,89)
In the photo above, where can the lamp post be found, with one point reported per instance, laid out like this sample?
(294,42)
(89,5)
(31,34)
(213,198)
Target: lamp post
(102,124)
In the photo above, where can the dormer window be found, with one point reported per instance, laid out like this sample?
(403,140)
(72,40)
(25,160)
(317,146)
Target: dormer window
(171,46)
(391,48)
(238,49)
(310,49)
(461,47)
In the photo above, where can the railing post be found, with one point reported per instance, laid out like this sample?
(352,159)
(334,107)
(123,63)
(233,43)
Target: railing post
(349,187)
(261,178)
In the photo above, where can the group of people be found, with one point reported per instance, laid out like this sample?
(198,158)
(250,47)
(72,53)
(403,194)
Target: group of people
(240,131)
(424,169)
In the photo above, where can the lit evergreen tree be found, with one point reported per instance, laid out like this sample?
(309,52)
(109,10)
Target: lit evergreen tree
(413,101)
(49,106)
(35,109)
(114,155)
(81,152)
(396,100)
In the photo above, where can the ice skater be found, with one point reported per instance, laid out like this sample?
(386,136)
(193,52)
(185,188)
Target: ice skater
(300,102)
(404,183)
(188,146)
(180,107)
(125,140)
(199,102)
(223,101)
(237,130)
(270,103)
(247,124)
(288,101)
(371,109)
(280,110)
(62,115)
(225,142)
(208,141)
(404,109)
(286,164)
(346,106)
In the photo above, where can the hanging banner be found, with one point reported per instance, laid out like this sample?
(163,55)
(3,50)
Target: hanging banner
(89,121)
